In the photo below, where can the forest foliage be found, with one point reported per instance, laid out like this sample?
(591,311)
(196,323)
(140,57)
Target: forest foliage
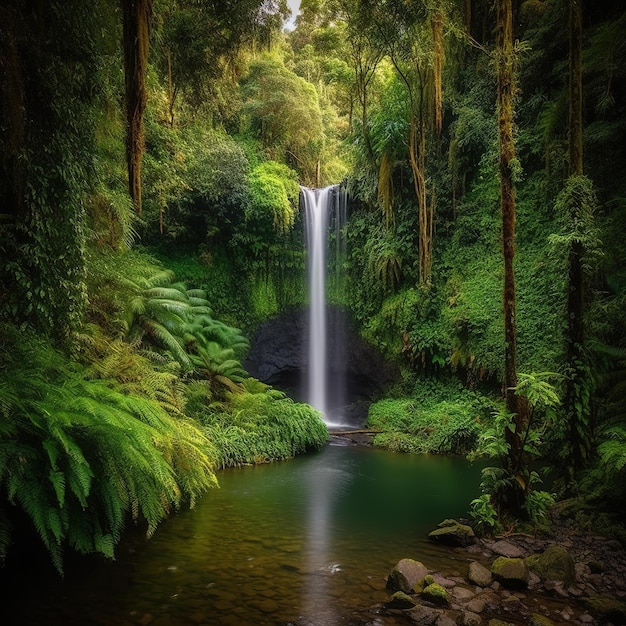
(120,329)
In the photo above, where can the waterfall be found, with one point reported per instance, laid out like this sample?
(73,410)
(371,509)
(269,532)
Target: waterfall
(323,207)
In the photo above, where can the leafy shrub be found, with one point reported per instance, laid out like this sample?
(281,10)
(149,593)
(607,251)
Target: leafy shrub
(260,425)
(79,456)
(429,423)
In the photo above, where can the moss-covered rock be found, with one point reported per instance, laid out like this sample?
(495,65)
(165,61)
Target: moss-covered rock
(400,600)
(479,575)
(512,573)
(405,575)
(553,564)
(436,594)
(606,609)
(453,534)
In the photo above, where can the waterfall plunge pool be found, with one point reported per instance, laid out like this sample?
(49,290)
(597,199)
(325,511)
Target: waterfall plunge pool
(303,542)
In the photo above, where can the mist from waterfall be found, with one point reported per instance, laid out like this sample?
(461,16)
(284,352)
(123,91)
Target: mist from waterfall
(324,208)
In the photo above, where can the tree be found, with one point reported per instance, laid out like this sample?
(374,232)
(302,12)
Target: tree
(198,42)
(284,113)
(505,60)
(413,40)
(136,44)
(49,78)
(577,393)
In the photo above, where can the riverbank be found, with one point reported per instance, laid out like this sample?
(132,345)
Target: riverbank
(566,578)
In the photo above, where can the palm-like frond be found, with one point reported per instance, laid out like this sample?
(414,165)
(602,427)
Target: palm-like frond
(79,456)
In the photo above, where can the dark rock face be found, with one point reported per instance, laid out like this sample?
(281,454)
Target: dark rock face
(357,371)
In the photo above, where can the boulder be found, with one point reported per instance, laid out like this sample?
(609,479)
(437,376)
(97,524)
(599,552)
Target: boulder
(436,594)
(453,534)
(504,548)
(400,600)
(462,594)
(479,575)
(512,573)
(555,563)
(605,608)
(424,615)
(470,619)
(405,575)
(445,620)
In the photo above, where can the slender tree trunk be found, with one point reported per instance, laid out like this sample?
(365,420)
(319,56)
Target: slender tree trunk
(575,88)
(437,25)
(136,43)
(506,90)
(576,400)
(417,147)
(172,90)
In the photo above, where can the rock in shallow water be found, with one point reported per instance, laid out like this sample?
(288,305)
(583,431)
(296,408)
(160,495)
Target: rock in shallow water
(479,575)
(454,534)
(405,575)
(512,573)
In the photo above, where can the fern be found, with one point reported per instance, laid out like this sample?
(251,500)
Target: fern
(262,427)
(103,455)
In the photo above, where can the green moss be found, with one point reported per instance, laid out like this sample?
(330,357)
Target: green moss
(511,573)
(606,608)
(553,564)
(400,600)
(436,594)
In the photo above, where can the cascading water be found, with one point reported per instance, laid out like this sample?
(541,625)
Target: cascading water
(319,205)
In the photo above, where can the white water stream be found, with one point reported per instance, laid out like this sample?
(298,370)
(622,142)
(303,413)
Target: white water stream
(319,204)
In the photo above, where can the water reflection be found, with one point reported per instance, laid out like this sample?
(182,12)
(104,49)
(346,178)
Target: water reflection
(306,542)
(325,485)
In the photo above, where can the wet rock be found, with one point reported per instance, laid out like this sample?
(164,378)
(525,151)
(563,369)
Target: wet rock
(278,356)
(445,620)
(499,622)
(606,609)
(504,548)
(486,601)
(553,564)
(424,615)
(479,575)
(462,594)
(470,619)
(533,580)
(555,588)
(405,575)
(453,534)
(448,583)
(400,600)
(540,620)
(436,594)
(512,573)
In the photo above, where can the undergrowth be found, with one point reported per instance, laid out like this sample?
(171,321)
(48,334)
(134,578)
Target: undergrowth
(260,425)
(439,418)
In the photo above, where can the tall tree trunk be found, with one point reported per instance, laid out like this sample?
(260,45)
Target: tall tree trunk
(576,399)
(136,43)
(438,53)
(506,89)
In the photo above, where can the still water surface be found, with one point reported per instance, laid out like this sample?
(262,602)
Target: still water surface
(306,542)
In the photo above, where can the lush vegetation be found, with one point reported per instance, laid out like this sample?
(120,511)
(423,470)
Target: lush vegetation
(151,162)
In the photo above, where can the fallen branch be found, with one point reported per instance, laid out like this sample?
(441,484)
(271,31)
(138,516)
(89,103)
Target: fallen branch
(366,431)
